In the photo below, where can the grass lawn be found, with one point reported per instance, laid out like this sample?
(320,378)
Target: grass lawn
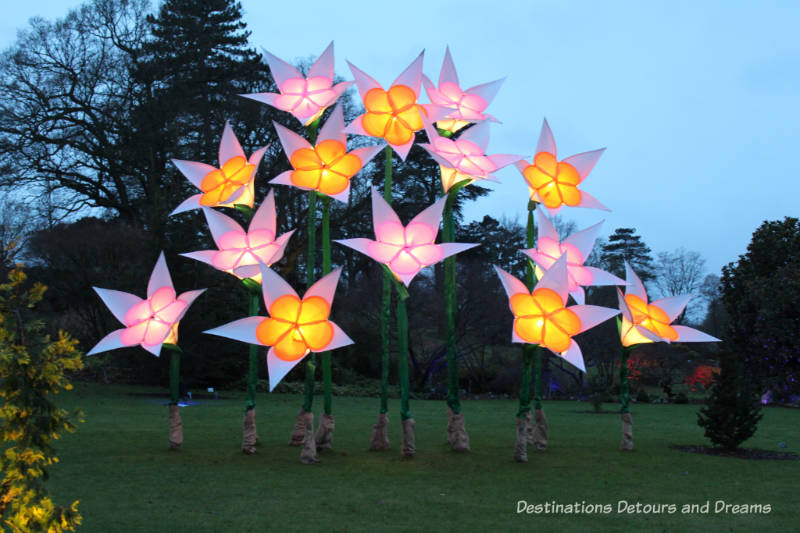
(118,466)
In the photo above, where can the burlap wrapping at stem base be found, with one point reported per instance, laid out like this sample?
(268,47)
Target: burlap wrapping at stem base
(457,435)
(627,432)
(379,440)
(409,447)
(308,454)
(175,428)
(324,435)
(538,433)
(299,430)
(521,446)
(249,435)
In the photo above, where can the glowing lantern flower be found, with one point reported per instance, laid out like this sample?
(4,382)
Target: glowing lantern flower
(467,106)
(542,317)
(394,114)
(405,249)
(241,252)
(304,97)
(555,183)
(150,322)
(230,184)
(295,327)
(644,322)
(465,158)
(577,248)
(326,167)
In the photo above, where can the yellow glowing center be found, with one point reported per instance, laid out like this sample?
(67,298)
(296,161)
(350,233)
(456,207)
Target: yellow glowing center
(326,168)
(393,115)
(650,317)
(541,318)
(219,184)
(296,326)
(555,182)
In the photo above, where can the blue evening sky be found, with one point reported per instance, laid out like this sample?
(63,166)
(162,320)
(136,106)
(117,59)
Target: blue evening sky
(698,103)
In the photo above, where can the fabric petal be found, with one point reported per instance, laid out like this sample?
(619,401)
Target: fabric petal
(277,368)
(325,288)
(487,91)
(601,277)
(592,315)
(453,248)
(265,216)
(511,284)
(118,302)
(686,334)
(220,224)
(193,202)
(290,141)
(243,330)
(635,285)
(323,66)
(281,70)
(585,161)
(112,341)
(229,146)
(431,216)
(160,276)
(273,286)
(584,240)
(193,170)
(382,211)
(546,141)
(412,76)
(555,278)
(205,256)
(673,306)
(363,81)
(478,134)
(333,127)
(574,356)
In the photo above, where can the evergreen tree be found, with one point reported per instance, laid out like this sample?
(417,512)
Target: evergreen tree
(733,409)
(624,245)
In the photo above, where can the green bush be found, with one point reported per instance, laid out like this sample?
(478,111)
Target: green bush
(642,396)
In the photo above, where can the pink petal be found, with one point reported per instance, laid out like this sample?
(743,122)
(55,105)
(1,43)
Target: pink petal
(426,254)
(227,260)
(453,248)
(635,285)
(478,135)
(419,233)
(592,315)
(673,306)
(448,73)
(382,252)
(156,332)
(511,284)
(555,278)
(220,225)
(236,240)
(686,334)
(405,263)
(134,335)
(363,81)
(229,146)
(430,217)
(193,202)
(290,141)
(487,91)
(574,356)
(325,288)
(590,202)
(265,216)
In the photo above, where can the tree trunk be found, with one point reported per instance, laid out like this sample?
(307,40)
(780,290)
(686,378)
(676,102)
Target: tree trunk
(457,432)
(521,446)
(409,448)
(249,435)
(175,428)
(324,435)
(627,432)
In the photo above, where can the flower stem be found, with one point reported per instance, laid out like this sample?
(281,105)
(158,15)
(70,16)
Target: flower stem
(453,395)
(252,367)
(624,386)
(327,384)
(386,293)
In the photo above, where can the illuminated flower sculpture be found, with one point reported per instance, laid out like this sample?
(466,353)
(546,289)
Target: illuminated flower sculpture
(327,166)
(465,158)
(230,184)
(152,323)
(394,114)
(467,105)
(577,248)
(295,327)
(241,252)
(555,183)
(405,249)
(541,316)
(644,322)
(304,97)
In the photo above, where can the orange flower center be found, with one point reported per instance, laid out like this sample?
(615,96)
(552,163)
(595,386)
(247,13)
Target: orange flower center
(219,184)
(541,318)
(555,182)
(650,317)
(393,115)
(296,326)
(326,168)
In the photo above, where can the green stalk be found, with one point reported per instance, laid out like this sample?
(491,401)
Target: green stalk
(386,293)
(327,384)
(252,369)
(174,376)
(453,396)
(311,362)
(624,386)
(402,356)
(530,281)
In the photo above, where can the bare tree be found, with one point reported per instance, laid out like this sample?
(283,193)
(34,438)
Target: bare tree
(681,272)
